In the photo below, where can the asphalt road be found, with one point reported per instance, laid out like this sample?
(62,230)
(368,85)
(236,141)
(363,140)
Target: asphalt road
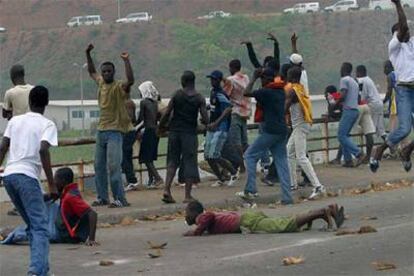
(252,254)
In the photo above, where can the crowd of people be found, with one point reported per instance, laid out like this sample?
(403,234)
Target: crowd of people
(283,111)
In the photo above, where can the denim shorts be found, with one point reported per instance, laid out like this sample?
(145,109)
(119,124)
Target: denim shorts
(214,144)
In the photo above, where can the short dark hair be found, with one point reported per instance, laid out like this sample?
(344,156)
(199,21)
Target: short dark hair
(235,64)
(188,77)
(108,63)
(330,89)
(196,207)
(39,96)
(65,174)
(17,71)
(361,70)
(347,67)
(395,28)
(285,69)
(294,73)
(267,60)
(274,65)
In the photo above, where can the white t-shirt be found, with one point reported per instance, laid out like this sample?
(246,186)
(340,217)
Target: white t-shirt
(304,81)
(370,92)
(17,99)
(26,133)
(402,58)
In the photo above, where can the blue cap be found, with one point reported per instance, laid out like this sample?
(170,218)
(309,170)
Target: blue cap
(216,74)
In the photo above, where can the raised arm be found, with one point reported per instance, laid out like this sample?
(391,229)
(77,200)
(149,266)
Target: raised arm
(248,92)
(402,21)
(128,72)
(276,50)
(47,167)
(252,54)
(294,39)
(91,66)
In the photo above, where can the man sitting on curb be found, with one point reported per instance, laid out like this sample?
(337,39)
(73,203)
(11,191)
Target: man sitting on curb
(256,222)
(73,221)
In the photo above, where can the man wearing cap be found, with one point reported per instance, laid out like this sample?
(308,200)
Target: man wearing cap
(272,99)
(217,130)
(297,60)
(401,52)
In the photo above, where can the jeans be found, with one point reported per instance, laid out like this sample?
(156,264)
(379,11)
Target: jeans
(348,119)
(265,156)
(276,143)
(108,159)
(127,154)
(405,110)
(27,197)
(297,153)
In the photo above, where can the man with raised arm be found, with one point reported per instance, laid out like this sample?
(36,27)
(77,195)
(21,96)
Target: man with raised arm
(27,139)
(114,122)
(401,52)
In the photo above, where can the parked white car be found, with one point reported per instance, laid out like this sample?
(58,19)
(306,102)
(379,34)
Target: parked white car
(135,17)
(86,20)
(303,8)
(343,5)
(379,5)
(215,14)
(2,30)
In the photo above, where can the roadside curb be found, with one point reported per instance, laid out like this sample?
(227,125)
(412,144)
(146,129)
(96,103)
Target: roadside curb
(269,198)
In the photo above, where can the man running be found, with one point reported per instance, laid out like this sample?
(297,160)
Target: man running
(113,123)
(21,175)
(401,52)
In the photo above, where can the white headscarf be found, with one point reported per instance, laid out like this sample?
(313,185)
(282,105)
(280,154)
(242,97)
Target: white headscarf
(148,90)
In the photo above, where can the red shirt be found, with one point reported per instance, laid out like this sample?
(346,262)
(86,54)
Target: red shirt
(217,223)
(72,208)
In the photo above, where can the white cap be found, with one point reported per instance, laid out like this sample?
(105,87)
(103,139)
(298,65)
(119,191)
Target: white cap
(296,59)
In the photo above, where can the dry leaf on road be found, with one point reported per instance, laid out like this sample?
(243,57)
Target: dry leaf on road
(157,246)
(127,221)
(291,260)
(106,263)
(380,265)
(104,225)
(157,253)
(366,229)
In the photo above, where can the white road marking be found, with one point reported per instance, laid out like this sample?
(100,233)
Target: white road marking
(305,242)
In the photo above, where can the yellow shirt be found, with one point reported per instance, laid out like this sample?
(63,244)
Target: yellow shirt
(113,112)
(304,101)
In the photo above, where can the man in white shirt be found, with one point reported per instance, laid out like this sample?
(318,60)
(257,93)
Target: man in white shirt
(28,138)
(401,52)
(370,95)
(16,99)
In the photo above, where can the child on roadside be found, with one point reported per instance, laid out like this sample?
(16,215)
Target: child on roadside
(71,221)
(255,222)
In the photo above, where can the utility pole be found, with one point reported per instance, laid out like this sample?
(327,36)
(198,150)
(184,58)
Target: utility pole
(81,67)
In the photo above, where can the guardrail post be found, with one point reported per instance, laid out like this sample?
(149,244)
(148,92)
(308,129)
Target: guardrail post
(81,175)
(325,133)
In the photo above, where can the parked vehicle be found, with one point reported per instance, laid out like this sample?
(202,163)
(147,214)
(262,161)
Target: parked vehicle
(379,5)
(215,14)
(135,17)
(86,20)
(303,8)
(343,5)
(2,30)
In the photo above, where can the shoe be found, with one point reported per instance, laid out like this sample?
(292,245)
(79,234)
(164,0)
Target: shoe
(232,180)
(247,195)
(218,183)
(294,187)
(360,160)
(348,164)
(335,162)
(406,160)
(131,187)
(373,165)
(118,204)
(317,191)
(100,202)
(267,182)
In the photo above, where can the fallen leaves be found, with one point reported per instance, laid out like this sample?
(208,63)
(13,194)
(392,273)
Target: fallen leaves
(156,254)
(380,187)
(105,225)
(362,230)
(292,260)
(380,265)
(127,221)
(106,263)
(156,246)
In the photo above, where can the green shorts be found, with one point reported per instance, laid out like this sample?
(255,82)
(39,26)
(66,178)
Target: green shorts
(258,222)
